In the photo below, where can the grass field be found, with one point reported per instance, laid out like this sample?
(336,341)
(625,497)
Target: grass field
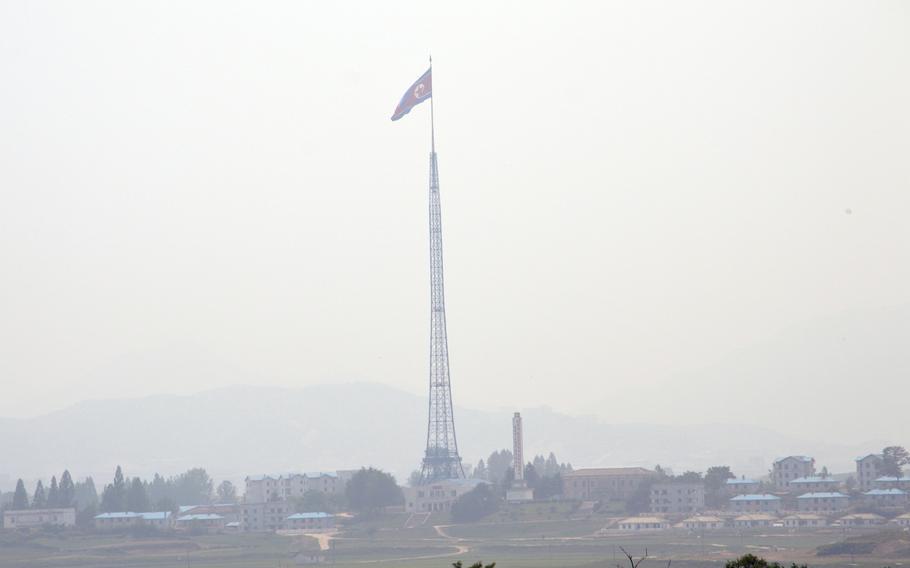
(531,541)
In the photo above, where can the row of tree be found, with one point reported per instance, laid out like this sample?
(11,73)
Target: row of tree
(64,494)
(499,463)
(193,487)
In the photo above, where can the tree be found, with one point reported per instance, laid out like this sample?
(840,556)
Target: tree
(20,497)
(548,486)
(67,496)
(688,477)
(137,499)
(477,564)
(85,518)
(371,489)
(752,561)
(480,471)
(192,487)
(53,494)
(226,492)
(715,485)
(894,458)
(475,504)
(498,464)
(39,501)
(313,502)
(531,476)
(158,489)
(166,504)
(113,498)
(551,466)
(414,478)
(85,494)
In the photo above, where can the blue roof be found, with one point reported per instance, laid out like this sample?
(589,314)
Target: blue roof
(756,497)
(310,516)
(885,492)
(740,481)
(903,478)
(822,495)
(120,515)
(156,516)
(814,479)
(199,518)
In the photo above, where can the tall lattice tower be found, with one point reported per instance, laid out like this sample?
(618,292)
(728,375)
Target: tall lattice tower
(441,460)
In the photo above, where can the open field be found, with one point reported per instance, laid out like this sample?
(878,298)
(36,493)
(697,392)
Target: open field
(385,542)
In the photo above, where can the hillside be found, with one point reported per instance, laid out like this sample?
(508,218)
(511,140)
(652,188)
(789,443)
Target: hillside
(242,430)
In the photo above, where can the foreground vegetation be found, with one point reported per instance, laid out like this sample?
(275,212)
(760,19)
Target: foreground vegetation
(526,536)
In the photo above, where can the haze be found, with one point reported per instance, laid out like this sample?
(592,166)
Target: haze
(653,212)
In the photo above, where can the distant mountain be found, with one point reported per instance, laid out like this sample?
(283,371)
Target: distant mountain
(237,431)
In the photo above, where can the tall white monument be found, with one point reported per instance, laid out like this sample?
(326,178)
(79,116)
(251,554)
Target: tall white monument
(519,492)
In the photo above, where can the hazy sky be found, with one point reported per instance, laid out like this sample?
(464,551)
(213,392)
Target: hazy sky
(199,194)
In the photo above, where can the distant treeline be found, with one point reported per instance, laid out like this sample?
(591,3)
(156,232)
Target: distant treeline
(193,487)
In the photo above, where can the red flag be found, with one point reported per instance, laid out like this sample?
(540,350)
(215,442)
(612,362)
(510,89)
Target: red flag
(421,90)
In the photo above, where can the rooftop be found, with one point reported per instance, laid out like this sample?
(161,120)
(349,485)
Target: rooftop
(885,492)
(638,520)
(814,479)
(861,458)
(742,481)
(156,516)
(208,517)
(756,517)
(756,497)
(310,516)
(902,479)
(119,515)
(804,459)
(823,495)
(703,519)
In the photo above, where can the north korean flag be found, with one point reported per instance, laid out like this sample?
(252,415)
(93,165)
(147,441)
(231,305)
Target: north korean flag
(421,90)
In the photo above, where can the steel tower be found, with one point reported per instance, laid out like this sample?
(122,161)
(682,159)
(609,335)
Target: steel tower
(441,460)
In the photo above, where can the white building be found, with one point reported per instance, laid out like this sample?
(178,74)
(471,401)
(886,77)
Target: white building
(265,488)
(823,502)
(643,524)
(206,522)
(755,521)
(315,522)
(867,471)
(861,520)
(264,517)
(805,521)
(784,470)
(760,503)
(39,517)
(742,486)
(885,498)
(121,520)
(901,520)
(437,496)
(705,522)
(677,498)
(813,484)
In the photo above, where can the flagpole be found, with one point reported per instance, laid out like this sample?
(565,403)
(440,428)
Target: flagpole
(432,119)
